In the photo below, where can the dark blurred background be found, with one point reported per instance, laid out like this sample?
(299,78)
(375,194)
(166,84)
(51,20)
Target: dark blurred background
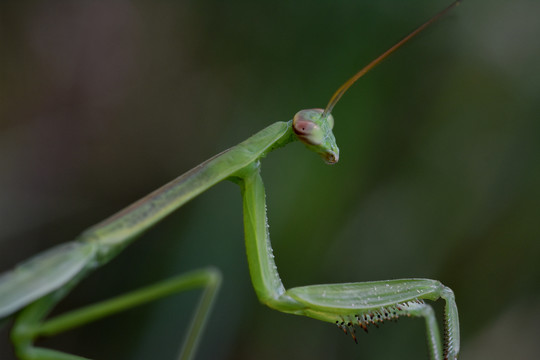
(439,174)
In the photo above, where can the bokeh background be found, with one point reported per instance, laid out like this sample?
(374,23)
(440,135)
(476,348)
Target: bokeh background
(102,102)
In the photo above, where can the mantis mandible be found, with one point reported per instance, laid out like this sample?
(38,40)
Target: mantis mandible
(33,288)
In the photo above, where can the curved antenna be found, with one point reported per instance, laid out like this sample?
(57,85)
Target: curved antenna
(343,88)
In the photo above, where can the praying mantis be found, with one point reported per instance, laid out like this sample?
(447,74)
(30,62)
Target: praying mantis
(31,290)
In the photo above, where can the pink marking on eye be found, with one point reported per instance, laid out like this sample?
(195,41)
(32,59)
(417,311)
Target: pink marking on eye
(303,127)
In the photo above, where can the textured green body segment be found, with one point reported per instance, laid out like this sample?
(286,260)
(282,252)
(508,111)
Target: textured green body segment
(51,270)
(349,297)
(138,217)
(262,268)
(43,273)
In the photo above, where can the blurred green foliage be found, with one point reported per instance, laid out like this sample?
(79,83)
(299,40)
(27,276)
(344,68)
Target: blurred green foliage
(101,102)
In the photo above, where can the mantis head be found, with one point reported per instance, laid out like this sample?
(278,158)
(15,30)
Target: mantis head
(313,127)
(315,131)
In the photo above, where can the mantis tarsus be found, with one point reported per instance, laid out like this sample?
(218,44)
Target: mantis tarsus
(34,287)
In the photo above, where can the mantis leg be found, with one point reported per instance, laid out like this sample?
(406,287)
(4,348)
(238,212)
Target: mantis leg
(29,324)
(347,305)
(371,303)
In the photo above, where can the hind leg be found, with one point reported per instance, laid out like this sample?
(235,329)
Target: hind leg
(29,325)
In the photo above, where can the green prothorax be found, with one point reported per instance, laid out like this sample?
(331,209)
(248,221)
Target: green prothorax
(316,132)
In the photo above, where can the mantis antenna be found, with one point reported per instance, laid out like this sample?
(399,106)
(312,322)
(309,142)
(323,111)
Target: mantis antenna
(343,88)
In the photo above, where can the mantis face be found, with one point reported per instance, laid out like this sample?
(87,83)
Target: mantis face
(316,133)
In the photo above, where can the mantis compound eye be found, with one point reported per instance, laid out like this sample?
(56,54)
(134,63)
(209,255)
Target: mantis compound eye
(308,132)
(330,120)
(310,127)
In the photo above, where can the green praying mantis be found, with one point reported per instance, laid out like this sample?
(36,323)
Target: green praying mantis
(32,289)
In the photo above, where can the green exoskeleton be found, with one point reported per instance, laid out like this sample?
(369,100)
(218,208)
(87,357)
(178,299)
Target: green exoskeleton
(30,291)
